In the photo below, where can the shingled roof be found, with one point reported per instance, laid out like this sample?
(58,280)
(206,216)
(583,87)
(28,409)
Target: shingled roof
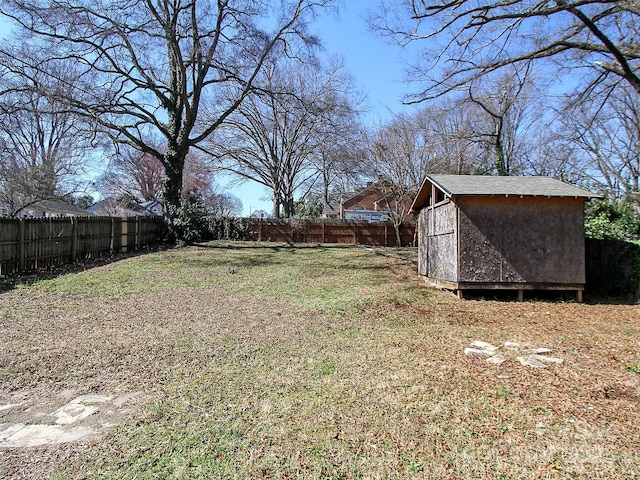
(459,185)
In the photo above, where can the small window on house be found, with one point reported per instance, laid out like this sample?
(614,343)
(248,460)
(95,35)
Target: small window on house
(439,196)
(360,208)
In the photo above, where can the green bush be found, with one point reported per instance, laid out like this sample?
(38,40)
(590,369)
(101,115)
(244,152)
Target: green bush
(612,219)
(189,221)
(226,228)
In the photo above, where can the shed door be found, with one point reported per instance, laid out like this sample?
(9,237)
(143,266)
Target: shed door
(442,242)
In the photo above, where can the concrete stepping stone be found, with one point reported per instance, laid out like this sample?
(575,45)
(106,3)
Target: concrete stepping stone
(531,361)
(72,422)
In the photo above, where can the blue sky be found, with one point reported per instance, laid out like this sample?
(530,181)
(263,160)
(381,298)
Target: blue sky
(376,67)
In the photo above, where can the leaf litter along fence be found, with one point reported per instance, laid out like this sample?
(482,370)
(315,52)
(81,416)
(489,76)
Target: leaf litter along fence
(30,244)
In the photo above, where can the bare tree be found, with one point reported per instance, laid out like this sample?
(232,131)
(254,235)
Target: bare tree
(133,175)
(467,39)
(222,204)
(43,148)
(608,136)
(340,166)
(445,126)
(139,176)
(399,158)
(150,66)
(276,137)
(500,118)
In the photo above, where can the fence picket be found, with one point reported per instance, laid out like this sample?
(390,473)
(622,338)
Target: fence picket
(329,231)
(28,244)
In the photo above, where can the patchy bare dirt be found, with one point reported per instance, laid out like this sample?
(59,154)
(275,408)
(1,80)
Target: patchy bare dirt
(257,334)
(35,418)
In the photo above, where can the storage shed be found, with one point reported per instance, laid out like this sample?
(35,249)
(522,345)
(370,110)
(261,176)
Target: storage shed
(517,233)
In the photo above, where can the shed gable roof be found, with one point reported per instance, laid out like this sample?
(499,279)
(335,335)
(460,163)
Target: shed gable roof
(460,185)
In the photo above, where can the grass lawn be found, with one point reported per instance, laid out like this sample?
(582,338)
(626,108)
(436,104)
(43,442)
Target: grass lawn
(335,362)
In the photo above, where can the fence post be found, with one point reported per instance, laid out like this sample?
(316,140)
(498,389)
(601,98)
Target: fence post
(112,243)
(124,235)
(74,239)
(138,220)
(21,249)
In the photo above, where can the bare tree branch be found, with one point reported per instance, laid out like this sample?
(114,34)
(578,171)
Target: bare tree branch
(467,39)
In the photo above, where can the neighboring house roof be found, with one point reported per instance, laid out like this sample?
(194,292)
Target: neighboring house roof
(460,185)
(53,207)
(152,207)
(113,207)
(331,210)
(384,199)
(382,192)
(351,197)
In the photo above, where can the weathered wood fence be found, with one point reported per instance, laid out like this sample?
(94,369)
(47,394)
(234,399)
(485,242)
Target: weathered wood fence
(612,268)
(29,244)
(330,231)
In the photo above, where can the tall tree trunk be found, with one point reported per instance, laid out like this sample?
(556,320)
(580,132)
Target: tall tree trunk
(288,205)
(276,204)
(172,196)
(396,227)
(501,164)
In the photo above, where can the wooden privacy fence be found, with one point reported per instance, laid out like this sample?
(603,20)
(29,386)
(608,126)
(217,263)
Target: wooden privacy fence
(331,231)
(612,268)
(29,244)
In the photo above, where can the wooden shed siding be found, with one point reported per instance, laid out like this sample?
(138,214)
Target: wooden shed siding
(438,228)
(521,240)
(423,251)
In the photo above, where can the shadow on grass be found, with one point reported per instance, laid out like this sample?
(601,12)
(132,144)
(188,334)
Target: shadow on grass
(545,296)
(274,254)
(254,255)
(275,247)
(12,281)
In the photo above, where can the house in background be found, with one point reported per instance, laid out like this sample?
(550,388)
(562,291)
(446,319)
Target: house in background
(52,208)
(125,208)
(261,214)
(372,204)
(152,207)
(331,211)
(519,233)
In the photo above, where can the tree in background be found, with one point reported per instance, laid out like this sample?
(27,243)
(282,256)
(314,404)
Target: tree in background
(445,126)
(139,176)
(340,167)
(222,204)
(498,118)
(593,44)
(397,161)
(132,175)
(279,135)
(608,138)
(43,147)
(150,68)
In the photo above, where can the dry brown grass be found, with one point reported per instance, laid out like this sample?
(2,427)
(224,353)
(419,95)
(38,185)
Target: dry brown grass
(269,361)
